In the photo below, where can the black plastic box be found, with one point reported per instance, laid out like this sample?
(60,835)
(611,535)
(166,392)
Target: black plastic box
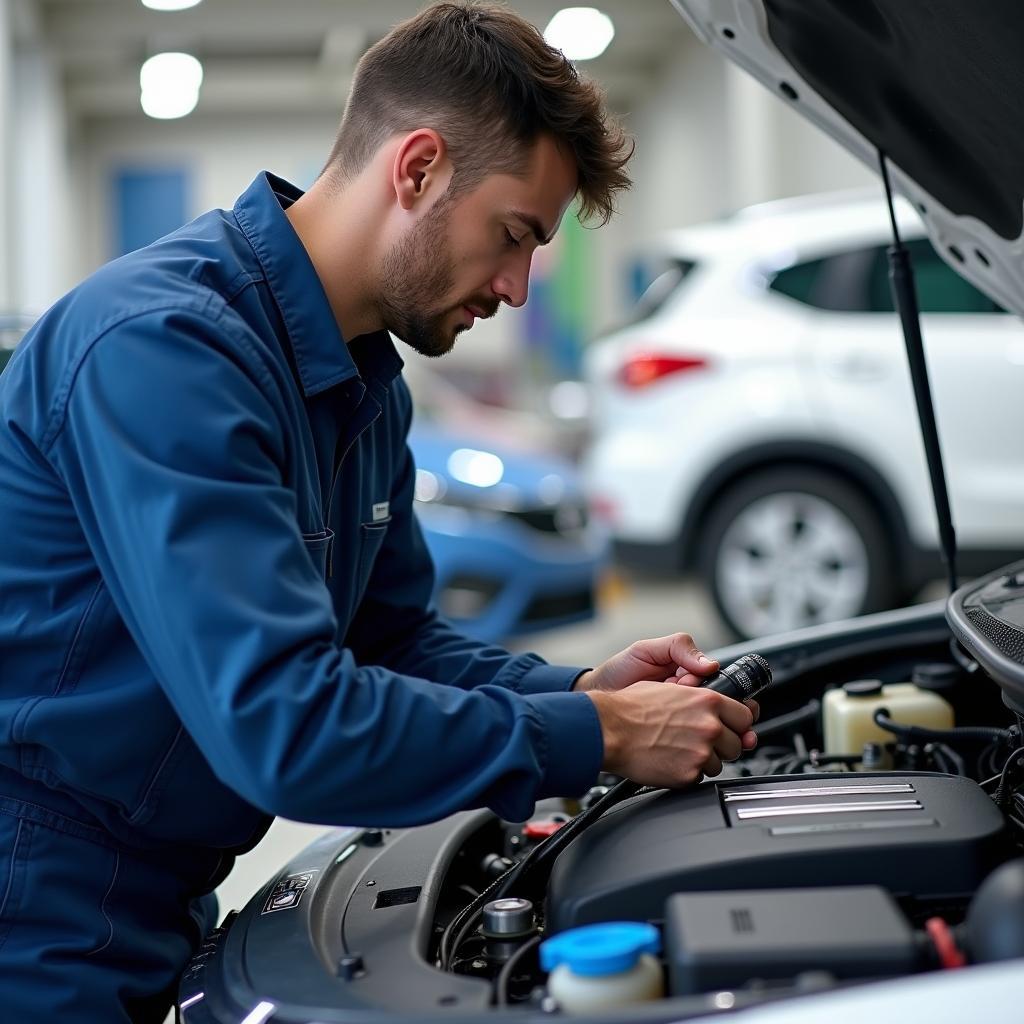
(722,940)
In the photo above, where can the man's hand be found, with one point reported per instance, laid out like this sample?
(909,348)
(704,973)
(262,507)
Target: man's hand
(664,735)
(672,658)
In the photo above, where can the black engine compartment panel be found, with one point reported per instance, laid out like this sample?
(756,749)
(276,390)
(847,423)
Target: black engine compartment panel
(927,838)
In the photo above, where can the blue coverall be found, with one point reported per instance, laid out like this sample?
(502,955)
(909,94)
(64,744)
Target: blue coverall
(215,607)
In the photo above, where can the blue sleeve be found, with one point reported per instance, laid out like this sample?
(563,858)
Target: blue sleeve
(171,443)
(398,626)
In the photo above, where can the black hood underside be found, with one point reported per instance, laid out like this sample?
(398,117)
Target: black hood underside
(937,85)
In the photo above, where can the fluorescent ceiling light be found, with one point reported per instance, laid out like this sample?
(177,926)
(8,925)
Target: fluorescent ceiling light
(170,84)
(169,5)
(581,33)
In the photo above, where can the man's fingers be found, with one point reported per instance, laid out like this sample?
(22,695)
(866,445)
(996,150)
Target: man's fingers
(689,657)
(749,740)
(754,707)
(735,715)
(713,766)
(684,678)
(728,746)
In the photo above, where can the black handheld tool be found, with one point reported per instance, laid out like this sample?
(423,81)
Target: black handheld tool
(744,678)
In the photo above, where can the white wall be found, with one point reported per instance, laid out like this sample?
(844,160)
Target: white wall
(45,263)
(7,297)
(776,152)
(682,137)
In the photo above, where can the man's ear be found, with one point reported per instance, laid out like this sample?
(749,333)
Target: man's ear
(421,168)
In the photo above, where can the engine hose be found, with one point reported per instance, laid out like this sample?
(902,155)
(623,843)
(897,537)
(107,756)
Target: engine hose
(919,734)
(501,986)
(941,935)
(1001,790)
(810,710)
(543,853)
(946,758)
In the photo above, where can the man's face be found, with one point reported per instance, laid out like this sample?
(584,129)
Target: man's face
(466,256)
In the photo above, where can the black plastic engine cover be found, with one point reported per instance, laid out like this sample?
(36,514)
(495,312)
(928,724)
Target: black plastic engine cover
(921,836)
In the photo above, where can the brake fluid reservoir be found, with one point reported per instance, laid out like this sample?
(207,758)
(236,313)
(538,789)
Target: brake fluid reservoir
(600,966)
(849,711)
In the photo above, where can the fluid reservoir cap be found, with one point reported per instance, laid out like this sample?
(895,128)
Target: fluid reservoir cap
(863,688)
(936,676)
(599,949)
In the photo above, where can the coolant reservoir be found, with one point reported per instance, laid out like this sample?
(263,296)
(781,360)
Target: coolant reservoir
(848,713)
(600,966)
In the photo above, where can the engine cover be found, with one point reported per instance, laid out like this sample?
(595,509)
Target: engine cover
(923,837)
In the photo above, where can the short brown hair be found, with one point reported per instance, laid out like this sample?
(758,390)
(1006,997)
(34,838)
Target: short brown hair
(488,83)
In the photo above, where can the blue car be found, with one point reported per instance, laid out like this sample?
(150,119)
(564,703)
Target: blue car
(509,534)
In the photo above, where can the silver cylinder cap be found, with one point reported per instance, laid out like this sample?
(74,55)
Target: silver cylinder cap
(509,916)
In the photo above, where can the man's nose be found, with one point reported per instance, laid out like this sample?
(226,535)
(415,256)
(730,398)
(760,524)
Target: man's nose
(512,285)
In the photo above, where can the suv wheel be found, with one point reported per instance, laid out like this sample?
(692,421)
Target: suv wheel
(791,548)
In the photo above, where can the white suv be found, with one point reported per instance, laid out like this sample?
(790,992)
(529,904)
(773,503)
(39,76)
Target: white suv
(755,421)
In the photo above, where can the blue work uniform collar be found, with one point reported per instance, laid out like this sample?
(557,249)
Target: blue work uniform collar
(322,357)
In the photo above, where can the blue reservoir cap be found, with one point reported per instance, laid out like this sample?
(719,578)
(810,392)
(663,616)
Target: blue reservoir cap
(599,949)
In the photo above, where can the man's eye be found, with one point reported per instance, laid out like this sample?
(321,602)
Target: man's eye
(511,239)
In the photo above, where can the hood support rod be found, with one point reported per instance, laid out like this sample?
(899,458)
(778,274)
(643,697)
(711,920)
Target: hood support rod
(901,282)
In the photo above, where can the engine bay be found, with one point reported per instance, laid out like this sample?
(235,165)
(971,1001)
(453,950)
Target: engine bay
(803,868)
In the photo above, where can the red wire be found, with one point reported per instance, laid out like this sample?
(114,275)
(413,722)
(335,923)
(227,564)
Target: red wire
(945,945)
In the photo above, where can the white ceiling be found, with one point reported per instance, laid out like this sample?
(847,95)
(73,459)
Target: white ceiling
(287,55)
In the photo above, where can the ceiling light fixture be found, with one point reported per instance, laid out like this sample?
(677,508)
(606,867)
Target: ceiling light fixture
(170,85)
(169,5)
(581,33)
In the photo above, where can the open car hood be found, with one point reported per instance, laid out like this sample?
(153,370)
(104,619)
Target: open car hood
(937,85)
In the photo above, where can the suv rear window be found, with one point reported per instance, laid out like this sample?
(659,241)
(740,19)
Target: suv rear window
(660,290)
(940,289)
(857,281)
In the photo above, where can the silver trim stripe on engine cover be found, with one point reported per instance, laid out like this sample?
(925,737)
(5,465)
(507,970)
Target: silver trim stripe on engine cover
(803,792)
(820,827)
(750,813)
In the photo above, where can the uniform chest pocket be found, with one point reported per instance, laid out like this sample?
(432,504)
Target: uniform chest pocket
(319,547)
(371,537)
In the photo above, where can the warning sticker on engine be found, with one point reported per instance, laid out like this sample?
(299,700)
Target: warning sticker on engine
(287,894)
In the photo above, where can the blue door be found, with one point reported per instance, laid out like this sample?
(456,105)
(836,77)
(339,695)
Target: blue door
(147,203)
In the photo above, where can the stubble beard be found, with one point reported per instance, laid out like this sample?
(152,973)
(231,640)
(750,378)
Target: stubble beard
(416,271)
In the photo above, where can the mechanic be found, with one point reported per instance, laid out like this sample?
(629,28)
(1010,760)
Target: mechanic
(214,596)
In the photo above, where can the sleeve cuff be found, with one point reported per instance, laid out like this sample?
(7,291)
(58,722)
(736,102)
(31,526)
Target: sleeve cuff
(571,740)
(548,679)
